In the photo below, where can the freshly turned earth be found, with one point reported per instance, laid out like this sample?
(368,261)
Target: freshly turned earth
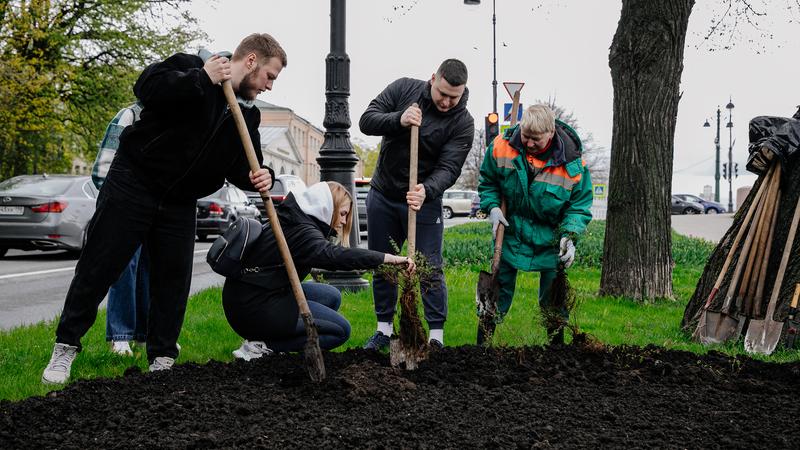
(462,397)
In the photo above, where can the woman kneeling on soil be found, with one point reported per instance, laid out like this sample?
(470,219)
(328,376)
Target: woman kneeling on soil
(261,307)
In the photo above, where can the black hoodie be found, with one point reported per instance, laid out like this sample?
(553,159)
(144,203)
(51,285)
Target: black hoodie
(309,244)
(445,139)
(186,144)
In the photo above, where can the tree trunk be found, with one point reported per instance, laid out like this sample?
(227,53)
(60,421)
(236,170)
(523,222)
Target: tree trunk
(789,196)
(646,61)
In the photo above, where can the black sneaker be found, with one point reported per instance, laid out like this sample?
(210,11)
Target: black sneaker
(377,341)
(435,345)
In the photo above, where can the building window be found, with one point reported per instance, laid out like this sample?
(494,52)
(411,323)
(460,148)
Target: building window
(283,170)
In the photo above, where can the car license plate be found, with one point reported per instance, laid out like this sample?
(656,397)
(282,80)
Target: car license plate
(11,210)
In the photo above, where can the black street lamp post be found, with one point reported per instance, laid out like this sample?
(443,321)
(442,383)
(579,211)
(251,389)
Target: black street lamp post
(716,164)
(337,159)
(731,169)
(494,50)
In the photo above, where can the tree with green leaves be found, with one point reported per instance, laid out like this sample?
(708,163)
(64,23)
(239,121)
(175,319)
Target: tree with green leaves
(66,66)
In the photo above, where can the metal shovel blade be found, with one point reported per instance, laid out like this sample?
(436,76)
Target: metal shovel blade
(719,328)
(486,297)
(762,336)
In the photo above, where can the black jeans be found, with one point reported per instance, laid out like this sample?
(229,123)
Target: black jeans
(388,223)
(128,215)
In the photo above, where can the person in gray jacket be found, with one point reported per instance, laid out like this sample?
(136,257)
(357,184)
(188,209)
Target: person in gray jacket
(446,131)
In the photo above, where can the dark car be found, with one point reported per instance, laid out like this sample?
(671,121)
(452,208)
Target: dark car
(475,209)
(708,206)
(216,212)
(45,212)
(680,206)
(281,187)
(362,189)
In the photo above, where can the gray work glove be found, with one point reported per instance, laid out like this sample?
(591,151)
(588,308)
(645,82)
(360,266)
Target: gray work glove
(496,216)
(566,252)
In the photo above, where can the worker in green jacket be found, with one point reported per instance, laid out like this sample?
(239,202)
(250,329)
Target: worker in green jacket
(537,168)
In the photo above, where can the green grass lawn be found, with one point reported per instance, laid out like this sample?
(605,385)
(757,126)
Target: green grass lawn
(206,335)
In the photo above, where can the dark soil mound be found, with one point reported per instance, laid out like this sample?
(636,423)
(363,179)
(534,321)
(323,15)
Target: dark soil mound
(460,398)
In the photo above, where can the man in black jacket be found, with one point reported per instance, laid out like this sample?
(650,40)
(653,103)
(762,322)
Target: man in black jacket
(446,132)
(182,148)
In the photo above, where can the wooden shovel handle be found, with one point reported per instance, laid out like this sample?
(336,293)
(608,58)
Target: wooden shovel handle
(739,234)
(413,160)
(753,272)
(787,250)
(498,241)
(283,247)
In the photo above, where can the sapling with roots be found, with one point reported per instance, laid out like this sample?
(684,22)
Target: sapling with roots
(410,346)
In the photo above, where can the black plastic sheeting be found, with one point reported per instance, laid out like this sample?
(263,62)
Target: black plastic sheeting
(781,135)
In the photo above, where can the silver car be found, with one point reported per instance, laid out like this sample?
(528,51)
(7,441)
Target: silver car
(45,212)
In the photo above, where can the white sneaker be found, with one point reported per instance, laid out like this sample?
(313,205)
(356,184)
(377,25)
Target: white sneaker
(57,371)
(252,350)
(121,348)
(162,363)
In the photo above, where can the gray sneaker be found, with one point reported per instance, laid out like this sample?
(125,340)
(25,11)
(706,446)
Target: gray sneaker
(252,350)
(57,371)
(161,363)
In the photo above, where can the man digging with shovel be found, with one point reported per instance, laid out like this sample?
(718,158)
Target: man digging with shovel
(537,168)
(183,148)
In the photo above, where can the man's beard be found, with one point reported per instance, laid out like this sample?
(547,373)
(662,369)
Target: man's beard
(247,89)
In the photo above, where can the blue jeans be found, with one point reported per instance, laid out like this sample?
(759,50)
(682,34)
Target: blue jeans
(128,301)
(334,330)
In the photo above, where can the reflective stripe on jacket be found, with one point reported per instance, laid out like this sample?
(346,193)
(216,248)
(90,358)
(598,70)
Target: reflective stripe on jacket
(556,203)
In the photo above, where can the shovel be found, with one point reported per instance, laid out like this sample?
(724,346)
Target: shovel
(411,347)
(488,292)
(312,352)
(708,321)
(763,335)
(792,326)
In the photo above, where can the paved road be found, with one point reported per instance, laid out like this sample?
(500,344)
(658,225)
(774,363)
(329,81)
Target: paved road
(707,226)
(33,284)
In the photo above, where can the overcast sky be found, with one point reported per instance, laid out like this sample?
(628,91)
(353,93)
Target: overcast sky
(558,48)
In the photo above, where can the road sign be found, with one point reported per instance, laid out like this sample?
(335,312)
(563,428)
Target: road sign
(512,87)
(507,112)
(599,190)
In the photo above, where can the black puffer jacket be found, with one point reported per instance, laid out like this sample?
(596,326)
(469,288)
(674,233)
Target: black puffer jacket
(307,238)
(186,144)
(445,139)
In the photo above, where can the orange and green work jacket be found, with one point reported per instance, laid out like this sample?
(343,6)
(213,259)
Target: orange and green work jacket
(548,196)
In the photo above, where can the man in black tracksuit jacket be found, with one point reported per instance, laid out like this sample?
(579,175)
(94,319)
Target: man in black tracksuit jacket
(445,138)
(182,148)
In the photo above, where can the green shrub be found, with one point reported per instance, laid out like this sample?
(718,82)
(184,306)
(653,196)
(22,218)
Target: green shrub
(471,245)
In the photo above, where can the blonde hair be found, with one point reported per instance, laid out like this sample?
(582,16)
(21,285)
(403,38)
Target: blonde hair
(340,196)
(538,119)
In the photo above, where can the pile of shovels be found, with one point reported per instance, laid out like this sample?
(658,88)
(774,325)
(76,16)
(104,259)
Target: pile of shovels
(742,310)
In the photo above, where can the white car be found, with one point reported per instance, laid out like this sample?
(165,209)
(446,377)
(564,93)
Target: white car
(456,202)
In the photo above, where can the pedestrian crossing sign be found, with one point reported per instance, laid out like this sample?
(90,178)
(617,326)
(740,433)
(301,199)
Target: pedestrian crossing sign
(599,190)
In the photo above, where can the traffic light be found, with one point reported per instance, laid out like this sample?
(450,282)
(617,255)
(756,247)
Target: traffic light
(736,170)
(492,127)
(725,170)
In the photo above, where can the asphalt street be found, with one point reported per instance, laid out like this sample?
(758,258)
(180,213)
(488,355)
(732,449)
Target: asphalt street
(33,284)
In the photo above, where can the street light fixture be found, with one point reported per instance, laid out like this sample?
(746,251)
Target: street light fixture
(716,164)
(494,50)
(730,107)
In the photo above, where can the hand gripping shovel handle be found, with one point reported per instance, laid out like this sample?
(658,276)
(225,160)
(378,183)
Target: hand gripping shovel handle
(313,354)
(413,163)
(498,241)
